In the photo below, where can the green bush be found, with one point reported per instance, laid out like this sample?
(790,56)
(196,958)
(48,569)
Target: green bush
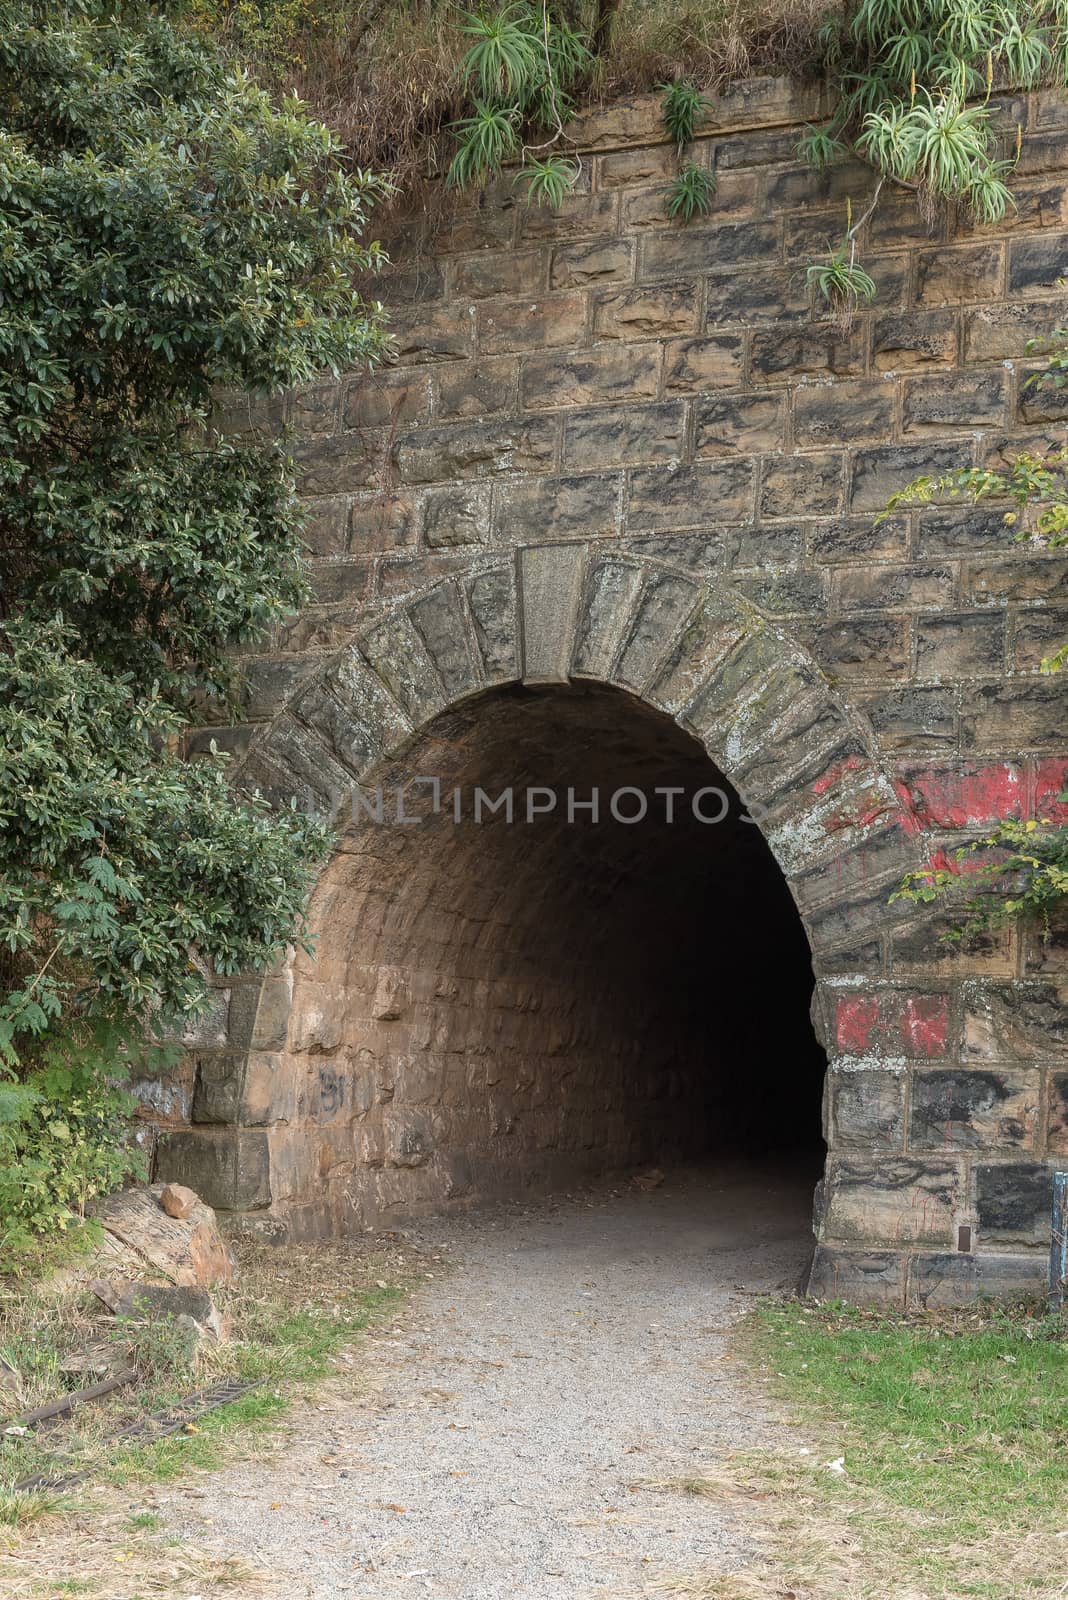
(166,235)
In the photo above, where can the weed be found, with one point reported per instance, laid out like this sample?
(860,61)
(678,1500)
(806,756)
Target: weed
(691,192)
(684,107)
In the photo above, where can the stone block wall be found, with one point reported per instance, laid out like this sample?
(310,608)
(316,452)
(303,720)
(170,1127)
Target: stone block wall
(620,450)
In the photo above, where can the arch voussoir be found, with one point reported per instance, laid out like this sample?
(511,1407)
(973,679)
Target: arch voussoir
(689,647)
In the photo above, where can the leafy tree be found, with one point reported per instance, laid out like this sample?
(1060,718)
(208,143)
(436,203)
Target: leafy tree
(166,234)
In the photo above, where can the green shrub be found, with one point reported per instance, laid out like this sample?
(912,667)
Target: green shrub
(166,235)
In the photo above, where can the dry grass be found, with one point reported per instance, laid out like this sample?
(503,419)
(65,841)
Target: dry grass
(295,1310)
(387,77)
(953,1481)
(97,1551)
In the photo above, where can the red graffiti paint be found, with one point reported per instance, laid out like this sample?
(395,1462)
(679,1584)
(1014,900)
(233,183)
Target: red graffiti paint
(924,1023)
(1051,780)
(892,1023)
(837,771)
(855,1022)
(970,797)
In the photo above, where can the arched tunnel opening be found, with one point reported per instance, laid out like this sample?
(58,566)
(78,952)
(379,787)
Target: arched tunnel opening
(499,1005)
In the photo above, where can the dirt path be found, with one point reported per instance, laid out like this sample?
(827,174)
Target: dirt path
(505,1432)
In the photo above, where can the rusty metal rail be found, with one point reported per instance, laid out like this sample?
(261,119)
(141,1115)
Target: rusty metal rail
(158,1425)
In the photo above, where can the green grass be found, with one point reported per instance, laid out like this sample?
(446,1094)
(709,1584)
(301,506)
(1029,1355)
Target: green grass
(951,1432)
(938,1416)
(293,1312)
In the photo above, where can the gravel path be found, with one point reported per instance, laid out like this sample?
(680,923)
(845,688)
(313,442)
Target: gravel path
(499,1442)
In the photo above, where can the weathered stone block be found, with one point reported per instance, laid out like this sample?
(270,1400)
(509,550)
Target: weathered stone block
(707,249)
(960,401)
(862,1277)
(1042,578)
(499,272)
(341,582)
(891,1023)
(603,261)
(217,1087)
(651,163)
(867,1111)
(751,422)
(734,196)
(553,322)
(774,294)
(785,594)
(578,216)
(831,413)
(476,388)
(870,647)
(914,339)
(337,465)
(960,645)
(1038,400)
(645,313)
(849,538)
(313,408)
(429,334)
(614,372)
(1039,262)
(1038,635)
(895,588)
(229,1170)
(909,1201)
(386,398)
(678,496)
(959,272)
(326,525)
(395,651)
(769,544)
(533,509)
(457,516)
(512,444)
(966,1110)
(1013,1202)
(612,436)
(784,355)
(961,530)
(1057,1110)
(1014,1021)
(664,603)
(936,1281)
(491,598)
(439,618)
(716,362)
(1016,716)
(612,589)
(1001,332)
(794,486)
(973,795)
(881,471)
(713,629)
(550,589)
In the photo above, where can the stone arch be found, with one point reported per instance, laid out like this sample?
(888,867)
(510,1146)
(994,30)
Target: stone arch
(767,716)
(763,709)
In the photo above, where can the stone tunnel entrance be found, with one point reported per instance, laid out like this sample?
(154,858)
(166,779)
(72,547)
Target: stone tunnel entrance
(497,1007)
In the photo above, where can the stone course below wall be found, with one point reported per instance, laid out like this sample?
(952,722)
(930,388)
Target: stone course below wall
(626,452)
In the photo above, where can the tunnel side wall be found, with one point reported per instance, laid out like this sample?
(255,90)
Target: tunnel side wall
(603,382)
